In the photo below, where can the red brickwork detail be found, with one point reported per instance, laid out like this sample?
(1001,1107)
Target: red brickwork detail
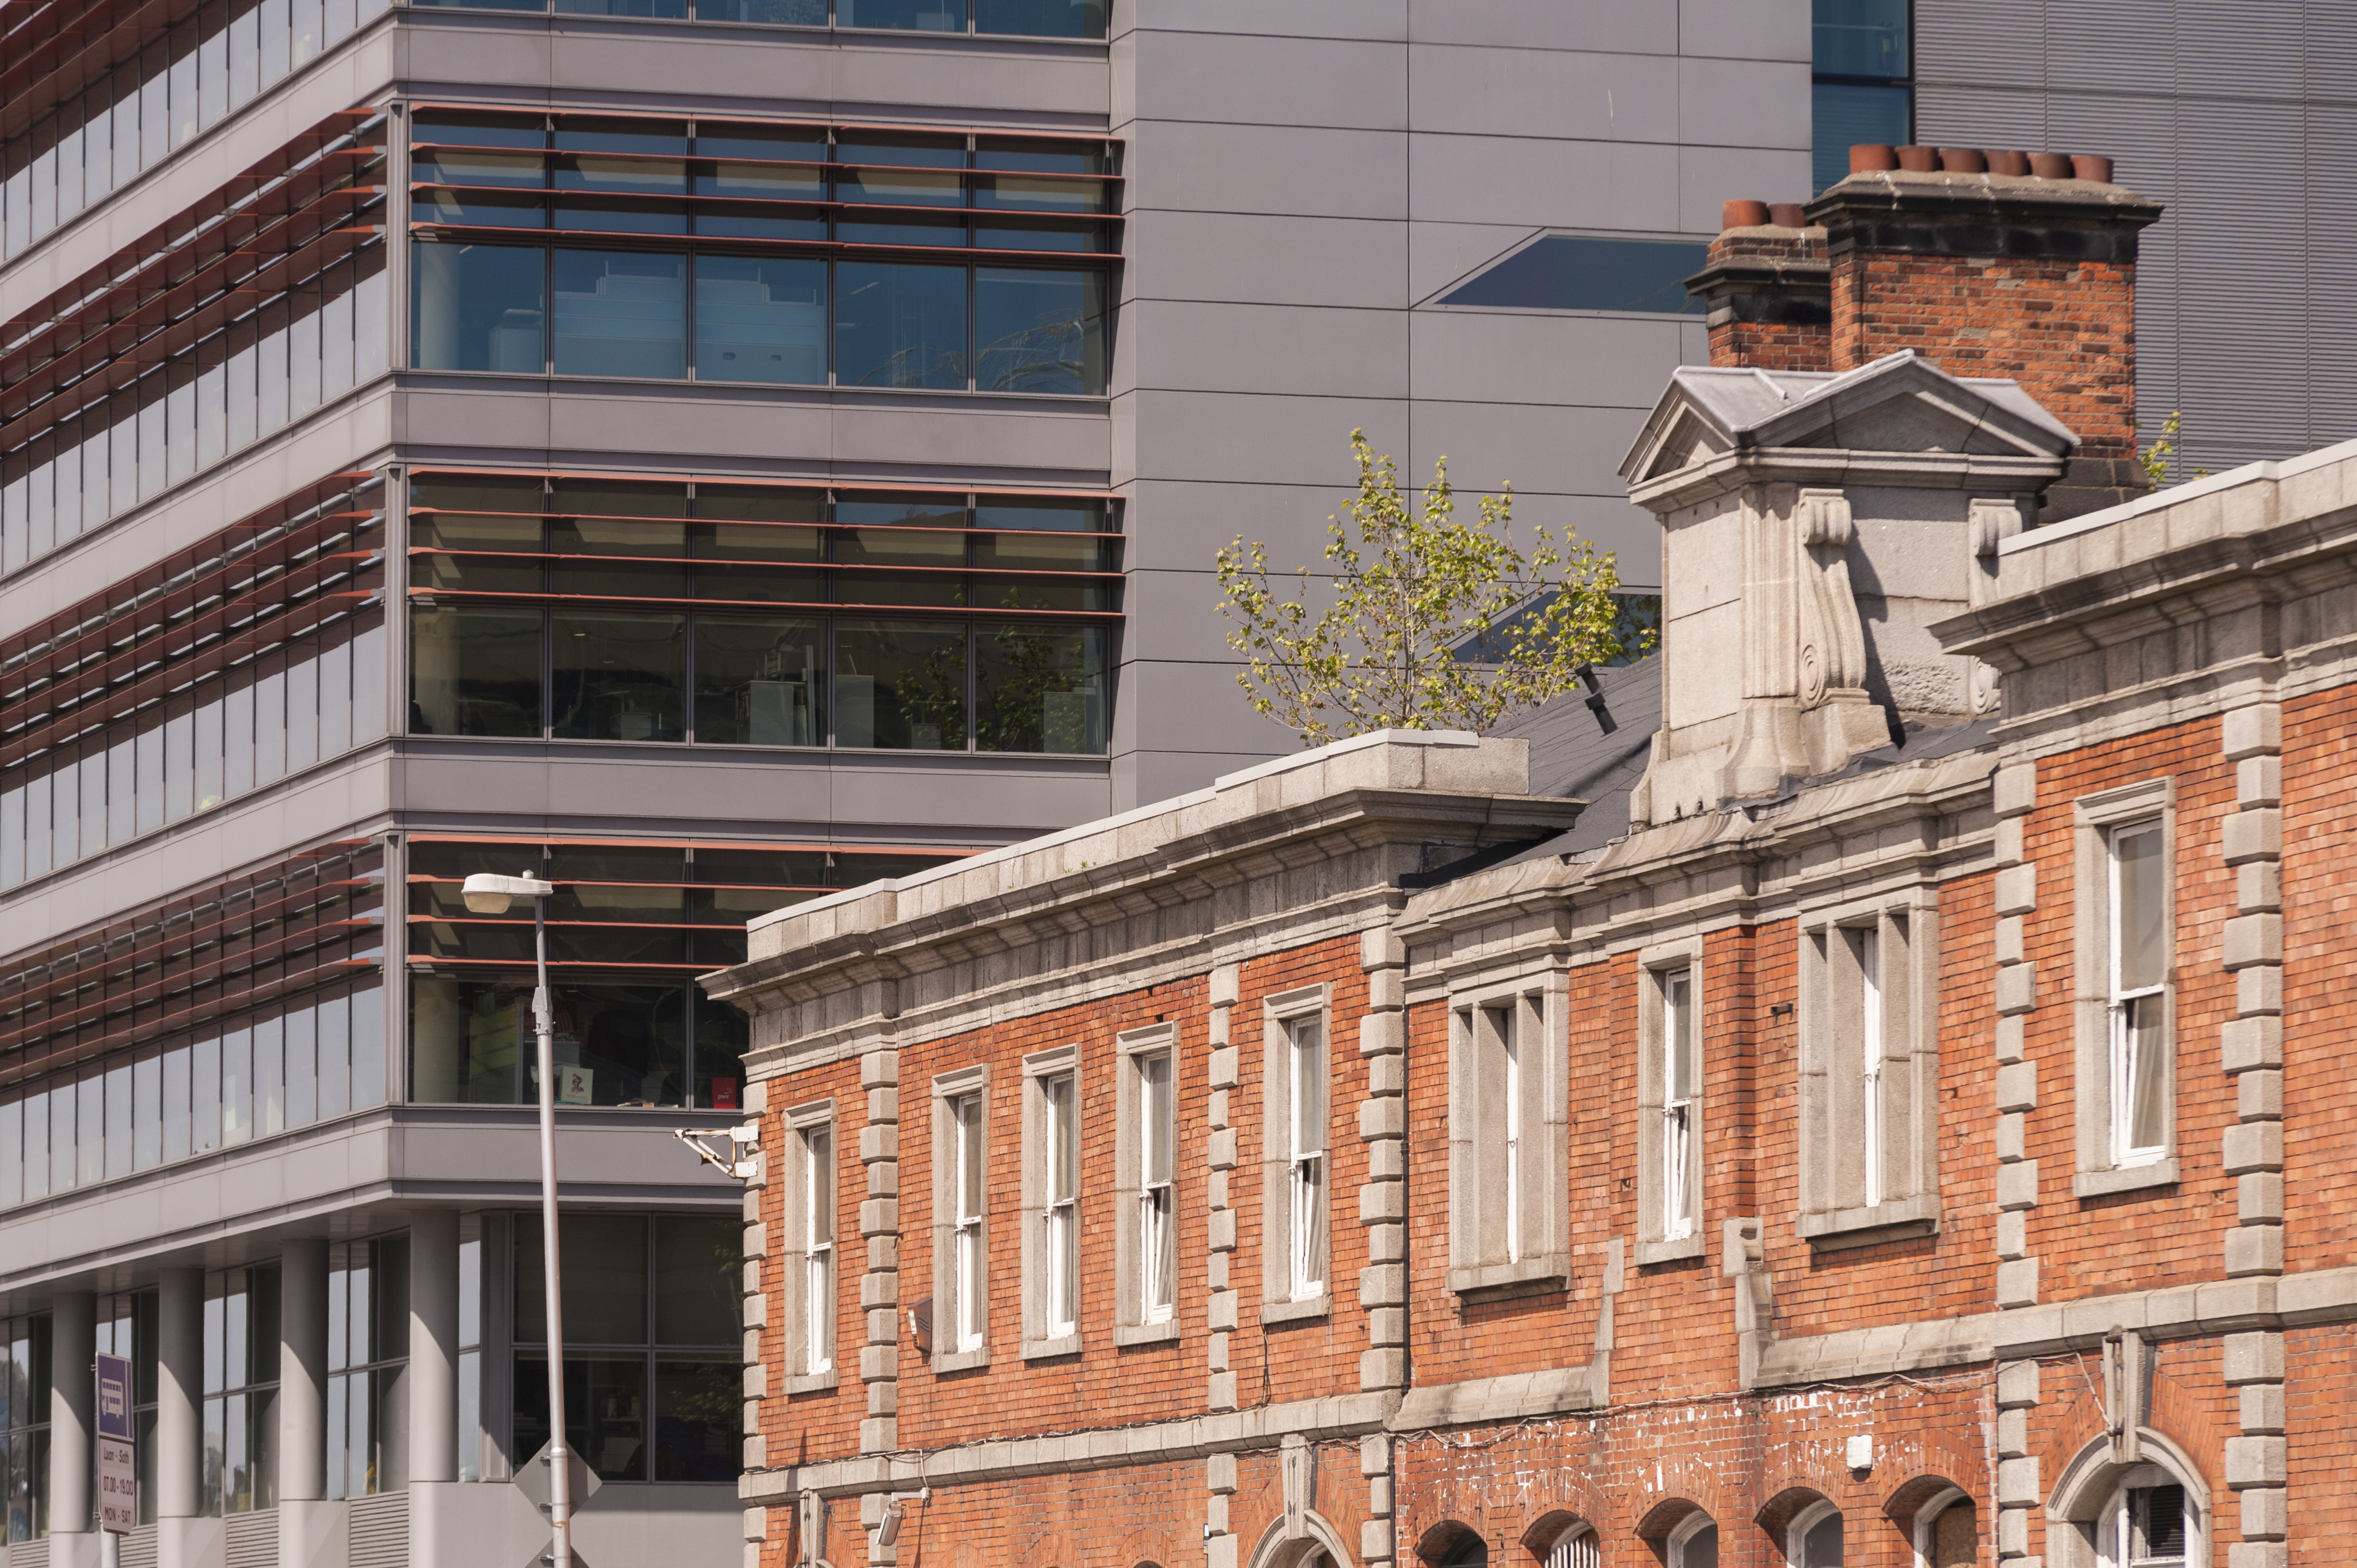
(2156,1236)
(2191,1407)
(2319,909)
(2066,330)
(2320,1392)
(1729,1456)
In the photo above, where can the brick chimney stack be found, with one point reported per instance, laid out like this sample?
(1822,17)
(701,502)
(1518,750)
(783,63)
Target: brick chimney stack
(1988,263)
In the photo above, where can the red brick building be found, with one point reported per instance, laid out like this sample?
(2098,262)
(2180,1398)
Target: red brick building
(1916,1136)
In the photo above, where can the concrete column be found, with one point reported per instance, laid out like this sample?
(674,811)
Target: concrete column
(433,1380)
(73,1346)
(310,1531)
(184,1538)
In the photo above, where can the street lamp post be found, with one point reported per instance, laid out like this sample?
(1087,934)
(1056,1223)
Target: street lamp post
(487,894)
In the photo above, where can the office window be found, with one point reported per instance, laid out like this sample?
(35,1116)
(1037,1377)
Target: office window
(25,1425)
(1694,1543)
(1297,1176)
(961,1220)
(1862,72)
(1670,1109)
(368,1353)
(241,1391)
(807,1248)
(1508,1148)
(1575,1546)
(1051,1194)
(1032,19)
(654,1332)
(2124,975)
(1869,1070)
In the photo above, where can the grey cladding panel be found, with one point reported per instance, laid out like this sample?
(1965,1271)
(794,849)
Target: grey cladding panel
(1546,92)
(1325,83)
(1980,43)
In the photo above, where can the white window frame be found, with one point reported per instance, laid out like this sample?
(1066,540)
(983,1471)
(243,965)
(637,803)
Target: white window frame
(1927,1522)
(1869,1069)
(1576,1545)
(1671,1133)
(2112,1524)
(813,1302)
(2106,1164)
(1796,1535)
(1297,1182)
(1052,1271)
(1509,1136)
(1144,1203)
(1685,1529)
(960,1241)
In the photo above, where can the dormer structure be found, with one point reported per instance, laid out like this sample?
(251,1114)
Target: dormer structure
(1814,527)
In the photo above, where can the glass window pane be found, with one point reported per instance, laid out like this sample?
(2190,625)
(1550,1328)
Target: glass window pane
(2143,938)
(903,149)
(1861,38)
(603,1263)
(1156,1072)
(761,319)
(591,133)
(926,15)
(966,1110)
(605,1411)
(619,677)
(759,682)
(871,508)
(621,313)
(751,139)
(698,1423)
(620,498)
(774,13)
(1575,271)
(1309,1087)
(1039,331)
(1039,688)
(458,166)
(479,307)
(899,325)
(762,503)
(481,130)
(479,492)
(900,685)
(1845,114)
(699,1279)
(479,210)
(475,671)
(1051,156)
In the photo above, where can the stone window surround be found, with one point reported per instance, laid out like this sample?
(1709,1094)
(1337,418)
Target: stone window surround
(2088,1492)
(797,1121)
(1038,1068)
(1477,1261)
(2092,818)
(1796,1534)
(1130,1325)
(1905,921)
(1655,962)
(1278,1303)
(947,1086)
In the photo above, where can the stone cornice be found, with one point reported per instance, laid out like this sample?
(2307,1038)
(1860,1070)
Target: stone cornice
(1724,472)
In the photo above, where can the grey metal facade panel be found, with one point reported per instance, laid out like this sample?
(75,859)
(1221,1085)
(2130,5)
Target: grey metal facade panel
(1239,80)
(1532,181)
(1303,350)
(1548,93)
(2224,114)
(1744,103)
(1248,259)
(1378,20)
(1745,29)
(1609,27)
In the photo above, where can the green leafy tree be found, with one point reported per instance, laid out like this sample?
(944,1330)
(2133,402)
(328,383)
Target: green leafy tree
(1414,590)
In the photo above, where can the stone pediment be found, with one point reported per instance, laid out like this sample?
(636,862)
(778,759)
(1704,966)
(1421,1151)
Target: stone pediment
(1715,426)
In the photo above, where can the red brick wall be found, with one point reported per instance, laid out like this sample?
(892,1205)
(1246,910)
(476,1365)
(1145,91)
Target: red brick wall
(2066,330)
(2320,905)
(2177,1231)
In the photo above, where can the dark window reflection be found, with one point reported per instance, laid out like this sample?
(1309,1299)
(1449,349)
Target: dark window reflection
(900,685)
(899,325)
(471,1038)
(605,1410)
(619,677)
(761,319)
(1038,330)
(475,671)
(1040,689)
(759,682)
(479,307)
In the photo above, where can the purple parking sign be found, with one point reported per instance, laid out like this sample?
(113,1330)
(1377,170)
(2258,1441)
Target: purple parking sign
(118,1475)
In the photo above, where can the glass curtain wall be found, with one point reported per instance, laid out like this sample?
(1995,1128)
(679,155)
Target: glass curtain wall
(1862,87)
(645,611)
(767,293)
(241,1391)
(25,1425)
(654,1335)
(267,660)
(630,927)
(368,1353)
(178,1058)
(1027,19)
(70,465)
(178,81)
(126,1327)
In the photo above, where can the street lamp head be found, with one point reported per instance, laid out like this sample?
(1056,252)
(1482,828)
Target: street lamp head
(488,894)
